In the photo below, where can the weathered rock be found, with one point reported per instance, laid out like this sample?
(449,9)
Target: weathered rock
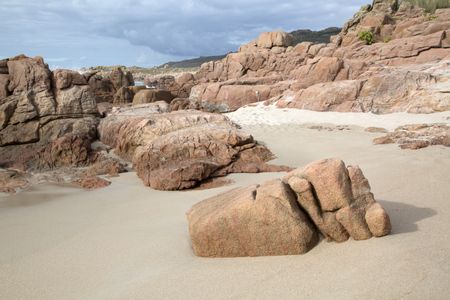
(102,88)
(181,104)
(105,165)
(378,220)
(57,128)
(28,74)
(330,181)
(233,94)
(63,79)
(417,136)
(360,187)
(104,108)
(48,121)
(274,39)
(323,70)
(353,220)
(68,150)
(422,88)
(181,149)
(403,70)
(327,224)
(4,82)
(75,101)
(20,133)
(123,96)
(12,181)
(376,129)
(92,183)
(253,221)
(331,96)
(179,86)
(119,78)
(270,219)
(152,95)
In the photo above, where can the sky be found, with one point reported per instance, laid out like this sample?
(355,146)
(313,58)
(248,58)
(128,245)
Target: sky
(80,33)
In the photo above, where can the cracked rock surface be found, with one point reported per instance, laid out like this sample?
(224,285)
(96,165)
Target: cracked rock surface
(286,216)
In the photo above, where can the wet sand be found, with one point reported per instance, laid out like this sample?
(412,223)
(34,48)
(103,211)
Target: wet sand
(130,242)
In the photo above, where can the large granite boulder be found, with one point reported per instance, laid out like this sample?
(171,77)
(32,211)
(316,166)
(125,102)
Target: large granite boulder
(284,217)
(179,150)
(232,94)
(259,220)
(152,95)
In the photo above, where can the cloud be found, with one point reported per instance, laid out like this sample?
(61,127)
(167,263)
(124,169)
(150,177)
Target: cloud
(150,31)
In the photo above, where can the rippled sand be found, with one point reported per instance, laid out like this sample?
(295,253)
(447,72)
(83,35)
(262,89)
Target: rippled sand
(129,242)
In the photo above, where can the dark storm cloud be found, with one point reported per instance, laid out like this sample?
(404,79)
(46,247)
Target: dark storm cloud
(150,32)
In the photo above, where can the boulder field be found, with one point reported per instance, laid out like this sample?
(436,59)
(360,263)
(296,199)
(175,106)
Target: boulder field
(50,122)
(286,216)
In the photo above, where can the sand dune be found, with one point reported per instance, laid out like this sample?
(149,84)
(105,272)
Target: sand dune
(130,242)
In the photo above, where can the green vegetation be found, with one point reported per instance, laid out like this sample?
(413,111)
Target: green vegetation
(430,17)
(366,36)
(430,6)
(191,63)
(317,37)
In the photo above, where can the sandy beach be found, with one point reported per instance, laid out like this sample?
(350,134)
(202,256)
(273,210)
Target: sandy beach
(130,242)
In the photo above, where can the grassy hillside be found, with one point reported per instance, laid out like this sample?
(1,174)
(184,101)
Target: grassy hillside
(191,63)
(321,36)
(431,5)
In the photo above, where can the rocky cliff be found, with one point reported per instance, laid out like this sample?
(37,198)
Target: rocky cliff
(391,56)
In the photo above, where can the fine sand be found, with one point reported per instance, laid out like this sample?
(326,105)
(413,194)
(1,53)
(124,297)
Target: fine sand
(130,242)
(271,115)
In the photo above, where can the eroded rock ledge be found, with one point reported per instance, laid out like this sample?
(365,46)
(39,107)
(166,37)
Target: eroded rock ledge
(417,136)
(286,216)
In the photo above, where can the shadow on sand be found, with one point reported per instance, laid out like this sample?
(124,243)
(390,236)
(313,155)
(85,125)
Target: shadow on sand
(404,217)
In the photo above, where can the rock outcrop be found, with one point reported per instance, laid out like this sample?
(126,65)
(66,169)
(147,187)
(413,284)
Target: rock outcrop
(47,119)
(417,136)
(179,150)
(114,87)
(403,68)
(152,95)
(285,217)
(12,181)
(179,86)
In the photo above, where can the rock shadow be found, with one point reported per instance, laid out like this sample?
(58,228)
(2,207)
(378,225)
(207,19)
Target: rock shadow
(404,217)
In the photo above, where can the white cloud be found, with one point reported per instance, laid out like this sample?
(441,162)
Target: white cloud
(122,32)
